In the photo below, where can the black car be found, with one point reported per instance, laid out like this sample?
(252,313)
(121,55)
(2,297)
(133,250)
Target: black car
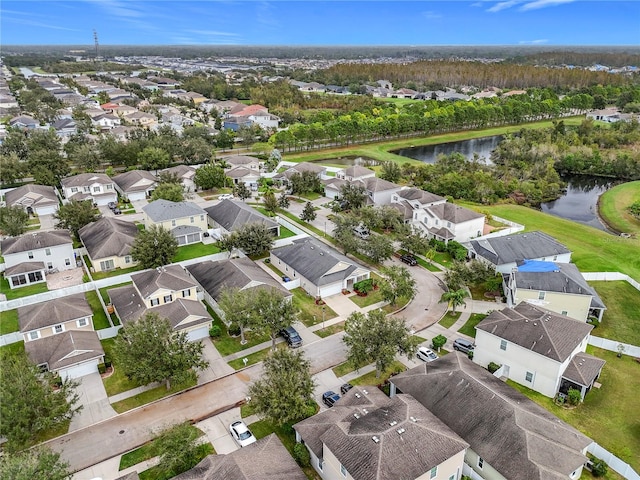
(330,398)
(409,260)
(292,337)
(112,205)
(345,388)
(116,211)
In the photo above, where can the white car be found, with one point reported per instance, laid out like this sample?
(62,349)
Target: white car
(426,354)
(241,434)
(225,196)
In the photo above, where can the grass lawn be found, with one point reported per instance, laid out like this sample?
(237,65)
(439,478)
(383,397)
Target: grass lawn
(330,330)
(285,232)
(429,266)
(105,298)
(253,358)
(613,204)
(604,415)
(311,196)
(9,322)
(443,258)
(346,367)
(100,319)
(373,297)
(274,268)
(449,319)
(114,273)
(306,225)
(309,313)
(152,395)
(22,291)
(371,379)
(117,382)
(621,319)
(226,344)
(469,328)
(194,251)
(12,348)
(154,473)
(400,302)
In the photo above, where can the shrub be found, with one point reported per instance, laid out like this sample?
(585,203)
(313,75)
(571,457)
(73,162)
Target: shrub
(599,467)
(215,331)
(101,368)
(439,245)
(574,396)
(364,286)
(438,342)
(593,321)
(234,329)
(107,361)
(470,354)
(301,455)
(493,367)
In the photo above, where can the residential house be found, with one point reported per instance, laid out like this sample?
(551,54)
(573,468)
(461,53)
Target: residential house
(510,437)
(611,115)
(355,172)
(59,336)
(97,187)
(185,220)
(135,184)
(404,93)
(24,122)
(505,252)
(105,121)
(369,436)
(379,191)
(38,199)
(322,271)
(121,132)
(8,101)
(65,127)
(29,257)
(265,459)
(185,174)
(300,168)
(244,175)
(230,215)
(250,163)
(241,273)
(537,348)
(122,110)
(167,291)
(559,287)
(253,115)
(108,242)
(411,202)
(141,118)
(164,82)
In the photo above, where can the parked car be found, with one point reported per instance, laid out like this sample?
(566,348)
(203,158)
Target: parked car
(361,231)
(225,196)
(292,337)
(112,205)
(463,345)
(330,398)
(285,278)
(426,354)
(409,260)
(345,388)
(241,434)
(116,211)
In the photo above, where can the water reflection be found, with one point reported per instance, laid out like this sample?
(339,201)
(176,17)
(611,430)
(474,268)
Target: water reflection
(480,147)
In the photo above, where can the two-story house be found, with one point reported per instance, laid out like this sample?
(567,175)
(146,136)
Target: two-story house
(369,436)
(185,220)
(355,173)
(29,257)
(538,348)
(559,287)
(108,242)
(59,336)
(97,187)
(38,199)
(230,215)
(135,184)
(167,291)
(250,163)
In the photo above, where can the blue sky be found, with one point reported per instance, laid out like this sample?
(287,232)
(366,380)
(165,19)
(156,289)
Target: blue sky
(321,22)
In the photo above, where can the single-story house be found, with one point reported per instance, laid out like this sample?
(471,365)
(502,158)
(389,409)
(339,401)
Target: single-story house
(185,220)
(510,437)
(38,199)
(135,184)
(244,175)
(369,436)
(24,121)
(230,215)
(97,187)
(185,174)
(535,348)
(321,270)
(108,242)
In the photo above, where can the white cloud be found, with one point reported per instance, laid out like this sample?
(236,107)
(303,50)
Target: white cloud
(540,41)
(525,5)
(503,5)
(214,33)
(31,23)
(431,15)
(543,3)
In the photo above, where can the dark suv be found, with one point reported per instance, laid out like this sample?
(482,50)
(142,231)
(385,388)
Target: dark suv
(409,260)
(292,337)
(463,345)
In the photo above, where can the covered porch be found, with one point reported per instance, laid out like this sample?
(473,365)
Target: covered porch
(581,374)
(25,273)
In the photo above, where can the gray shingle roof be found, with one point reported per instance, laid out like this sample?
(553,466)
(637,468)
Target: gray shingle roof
(127,302)
(181,171)
(583,369)
(519,246)
(65,349)
(510,432)
(83,179)
(23,267)
(163,210)
(316,262)
(453,213)
(237,160)
(231,215)
(171,277)
(421,195)
(36,195)
(52,312)
(126,181)
(356,171)
(108,237)
(35,241)
(537,329)
(375,184)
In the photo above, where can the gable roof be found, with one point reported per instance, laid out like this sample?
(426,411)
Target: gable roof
(456,214)
(348,428)
(421,195)
(519,246)
(35,241)
(108,237)
(241,172)
(170,277)
(162,210)
(83,179)
(583,369)
(515,436)
(375,184)
(181,171)
(537,329)
(135,180)
(240,160)
(356,171)
(32,195)
(267,459)
(231,215)
(65,349)
(52,312)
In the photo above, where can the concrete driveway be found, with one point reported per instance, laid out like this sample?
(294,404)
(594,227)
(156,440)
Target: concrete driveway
(217,366)
(217,430)
(95,403)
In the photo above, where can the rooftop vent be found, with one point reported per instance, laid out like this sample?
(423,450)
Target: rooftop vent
(356,415)
(400,431)
(393,423)
(413,419)
(358,395)
(375,439)
(365,392)
(365,411)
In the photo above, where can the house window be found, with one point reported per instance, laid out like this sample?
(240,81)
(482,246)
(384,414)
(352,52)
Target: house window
(109,187)
(43,367)
(541,295)
(173,223)
(34,335)
(452,477)
(529,377)
(155,301)
(320,464)
(107,265)
(449,224)
(564,312)
(96,189)
(167,298)
(82,322)
(47,251)
(343,470)
(18,280)
(202,218)
(50,265)
(503,344)
(67,262)
(480,462)
(86,189)
(127,259)
(186,293)
(74,189)
(434,472)
(58,329)
(35,277)
(193,219)
(30,255)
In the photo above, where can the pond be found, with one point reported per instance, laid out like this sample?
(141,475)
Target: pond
(482,147)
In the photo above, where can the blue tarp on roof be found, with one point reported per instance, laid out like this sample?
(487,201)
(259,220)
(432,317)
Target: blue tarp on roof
(537,266)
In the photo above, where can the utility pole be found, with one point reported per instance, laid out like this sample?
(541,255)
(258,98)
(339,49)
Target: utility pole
(95,41)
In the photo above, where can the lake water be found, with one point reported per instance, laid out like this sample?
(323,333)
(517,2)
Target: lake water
(480,147)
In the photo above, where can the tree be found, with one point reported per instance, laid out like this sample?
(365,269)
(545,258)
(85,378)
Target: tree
(343,233)
(75,215)
(353,195)
(225,139)
(242,191)
(154,247)
(284,392)
(11,168)
(455,298)
(438,342)
(308,213)
(149,350)
(168,191)
(28,404)
(391,172)
(273,313)
(153,158)
(210,176)
(397,283)
(178,449)
(33,464)
(415,242)
(254,239)
(377,338)
(228,242)
(238,307)
(379,248)
(13,220)
(283,201)
(270,202)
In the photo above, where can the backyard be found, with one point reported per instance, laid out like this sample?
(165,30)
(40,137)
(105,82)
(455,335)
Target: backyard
(621,319)
(195,250)
(9,322)
(12,294)
(100,319)
(613,206)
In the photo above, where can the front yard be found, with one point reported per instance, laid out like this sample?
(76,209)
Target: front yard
(226,344)
(621,319)
(309,312)
(469,328)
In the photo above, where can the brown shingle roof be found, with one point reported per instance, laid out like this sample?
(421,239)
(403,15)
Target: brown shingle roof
(52,312)
(583,369)
(171,277)
(65,349)
(108,237)
(35,241)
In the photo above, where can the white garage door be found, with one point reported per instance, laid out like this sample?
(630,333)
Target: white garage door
(332,289)
(135,196)
(50,210)
(198,333)
(79,370)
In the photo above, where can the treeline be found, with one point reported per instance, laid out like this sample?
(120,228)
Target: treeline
(581,59)
(79,67)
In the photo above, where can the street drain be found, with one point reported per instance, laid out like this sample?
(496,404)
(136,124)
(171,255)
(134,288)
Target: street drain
(121,432)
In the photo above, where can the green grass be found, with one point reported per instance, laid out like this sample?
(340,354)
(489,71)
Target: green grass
(306,225)
(400,302)
(613,204)
(20,292)
(13,348)
(373,297)
(330,330)
(252,358)
(621,319)
(117,382)
(604,415)
(308,312)
(115,272)
(443,258)
(100,319)
(449,319)
(194,251)
(274,268)
(104,293)
(285,232)
(152,395)
(469,328)
(9,322)
(155,473)
(311,196)
(371,379)
(226,344)
(429,266)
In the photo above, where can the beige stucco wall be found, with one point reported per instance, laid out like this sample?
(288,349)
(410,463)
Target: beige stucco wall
(162,292)
(199,221)
(70,325)
(118,262)
(576,306)
(487,471)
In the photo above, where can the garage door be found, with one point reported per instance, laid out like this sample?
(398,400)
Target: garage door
(135,196)
(50,210)
(79,370)
(333,289)
(198,333)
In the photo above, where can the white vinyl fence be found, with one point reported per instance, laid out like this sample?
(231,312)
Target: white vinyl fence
(614,346)
(610,277)
(614,462)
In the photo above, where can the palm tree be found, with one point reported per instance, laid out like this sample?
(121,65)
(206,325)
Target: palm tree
(455,298)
